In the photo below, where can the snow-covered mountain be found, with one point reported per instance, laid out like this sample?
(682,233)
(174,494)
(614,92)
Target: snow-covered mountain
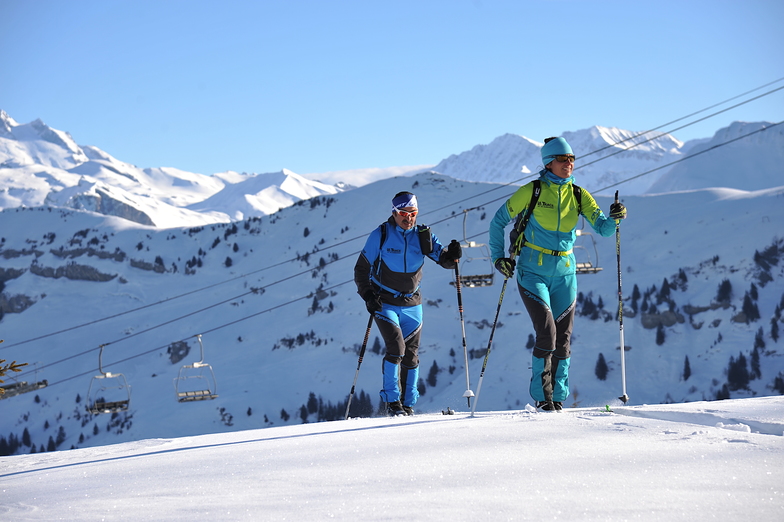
(273,298)
(636,161)
(602,158)
(752,159)
(43,166)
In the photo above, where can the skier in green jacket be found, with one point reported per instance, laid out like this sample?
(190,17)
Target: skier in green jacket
(546,275)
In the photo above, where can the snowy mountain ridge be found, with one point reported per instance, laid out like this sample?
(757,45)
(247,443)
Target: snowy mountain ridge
(44,166)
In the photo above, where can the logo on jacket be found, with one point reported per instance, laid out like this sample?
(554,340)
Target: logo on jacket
(544,204)
(391,250)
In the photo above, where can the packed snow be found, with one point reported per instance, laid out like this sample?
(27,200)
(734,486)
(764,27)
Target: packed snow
(721,460)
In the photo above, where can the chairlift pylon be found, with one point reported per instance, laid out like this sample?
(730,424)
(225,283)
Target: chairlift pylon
(583,263)
(108,392)
(196,382)
(476,263)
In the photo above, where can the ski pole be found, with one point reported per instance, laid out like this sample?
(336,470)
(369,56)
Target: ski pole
(361,355)
(468,393)
(489,344)
(624,398)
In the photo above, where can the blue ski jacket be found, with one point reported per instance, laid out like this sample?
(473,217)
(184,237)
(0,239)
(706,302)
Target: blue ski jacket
(394,269)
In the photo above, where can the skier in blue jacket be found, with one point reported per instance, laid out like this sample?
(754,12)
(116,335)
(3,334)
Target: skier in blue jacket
(546,275)
(387,274)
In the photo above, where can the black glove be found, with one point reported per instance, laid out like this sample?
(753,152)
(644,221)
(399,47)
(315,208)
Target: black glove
(372,301)
(506,266)
(453,252)
(617,211)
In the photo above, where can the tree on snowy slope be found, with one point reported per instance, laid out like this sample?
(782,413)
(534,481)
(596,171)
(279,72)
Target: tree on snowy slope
(10,367)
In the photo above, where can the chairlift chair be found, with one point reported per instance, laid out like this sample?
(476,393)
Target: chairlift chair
(19,387)
(582,255)
(476,267)
(196,382)
(108,392)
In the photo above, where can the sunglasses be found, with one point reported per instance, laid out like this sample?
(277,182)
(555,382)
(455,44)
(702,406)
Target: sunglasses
(405,214)
(564,157)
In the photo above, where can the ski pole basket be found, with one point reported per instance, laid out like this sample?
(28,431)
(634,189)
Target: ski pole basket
(196,382)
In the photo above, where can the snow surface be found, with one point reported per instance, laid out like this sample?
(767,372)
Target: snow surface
(699,461)
(671,462)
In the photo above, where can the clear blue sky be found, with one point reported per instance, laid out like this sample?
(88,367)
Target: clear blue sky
(316,86)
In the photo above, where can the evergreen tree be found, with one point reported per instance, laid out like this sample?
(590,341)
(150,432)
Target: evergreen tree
(60,436)
(433,375)
(724,393)
(759,339)
(313,405)
(531,341)
(778,383)
(376,349)
(303,414)
(725,291)
(26,438)
(284,415)
(683,279)
(756,371)
(664,293)
(601,368)
(750,309)
(774,330)
(660,335)
(738,373)
(686,369)
(50,446)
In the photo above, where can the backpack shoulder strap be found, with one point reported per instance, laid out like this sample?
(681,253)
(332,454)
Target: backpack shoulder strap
(578,195)
(517,236)
(377,261)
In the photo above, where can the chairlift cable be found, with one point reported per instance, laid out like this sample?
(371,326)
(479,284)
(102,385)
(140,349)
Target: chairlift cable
(364,235)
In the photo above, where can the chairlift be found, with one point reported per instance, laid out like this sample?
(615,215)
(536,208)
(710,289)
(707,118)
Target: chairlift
(108,392)
(196,382)
(18,387)
(582,256)
(476,265)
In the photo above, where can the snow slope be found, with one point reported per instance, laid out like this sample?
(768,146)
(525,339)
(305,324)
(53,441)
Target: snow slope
(677,462)
(274,300)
